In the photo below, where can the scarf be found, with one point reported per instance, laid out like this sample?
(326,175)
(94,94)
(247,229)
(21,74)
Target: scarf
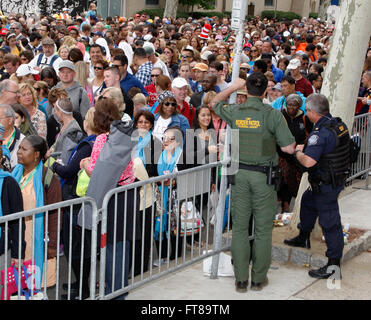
(3,175)
(39,218)
(162,166)
(142,143)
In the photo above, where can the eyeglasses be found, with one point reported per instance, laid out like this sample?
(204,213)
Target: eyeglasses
(154,75)
(15,92)
(184,57)
(253,50)
(165,139)
(167,104)
(37,89)
(102,98)
(98,68)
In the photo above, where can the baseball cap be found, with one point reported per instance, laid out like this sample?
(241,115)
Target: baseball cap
(25,69)
(278,87)
(47,42)
(201,66)
(294,64)
(205,55)
(179,82)
(67,64)
(136,15)
(3,31)
(244,92)
(245,65)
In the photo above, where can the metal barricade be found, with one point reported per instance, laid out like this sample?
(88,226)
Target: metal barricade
(61,266)
(131,254)
(361,134)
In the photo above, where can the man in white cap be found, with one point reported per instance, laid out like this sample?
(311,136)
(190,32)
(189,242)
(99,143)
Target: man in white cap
(76,93)
(302,84)
(179,88)
(49,58)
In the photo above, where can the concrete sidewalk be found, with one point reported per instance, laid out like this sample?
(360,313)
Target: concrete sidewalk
(286,280)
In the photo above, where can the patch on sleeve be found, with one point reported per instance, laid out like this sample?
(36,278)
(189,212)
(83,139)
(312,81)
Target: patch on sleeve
(313,140)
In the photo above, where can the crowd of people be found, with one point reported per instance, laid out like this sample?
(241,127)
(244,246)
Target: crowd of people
(64,80)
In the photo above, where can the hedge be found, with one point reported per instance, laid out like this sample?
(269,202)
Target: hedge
(196,15)
(280,15)
(313,15)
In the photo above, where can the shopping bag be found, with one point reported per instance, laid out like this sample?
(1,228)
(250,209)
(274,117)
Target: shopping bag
(12,279)
(225,268)
(190,219)
(82,183)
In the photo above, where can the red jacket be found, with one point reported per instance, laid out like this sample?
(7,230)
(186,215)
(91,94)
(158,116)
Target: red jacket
(187,111)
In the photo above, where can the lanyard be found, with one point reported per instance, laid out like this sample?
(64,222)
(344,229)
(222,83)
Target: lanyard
(11,139)
(25,183)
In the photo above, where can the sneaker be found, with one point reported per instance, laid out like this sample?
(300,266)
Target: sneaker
(157,262)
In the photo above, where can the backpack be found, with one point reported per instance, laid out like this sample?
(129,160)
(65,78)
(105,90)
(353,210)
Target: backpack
(55,57)
(354,148)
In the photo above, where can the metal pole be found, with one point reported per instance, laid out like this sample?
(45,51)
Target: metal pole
(239,9)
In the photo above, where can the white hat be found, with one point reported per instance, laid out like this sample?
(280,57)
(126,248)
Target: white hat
(25,69)
(294,64)
(179,82)
(205,55)
(149,48)
(286,34)
(147,37)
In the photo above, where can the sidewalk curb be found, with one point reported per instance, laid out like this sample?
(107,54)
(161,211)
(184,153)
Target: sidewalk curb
(301,256)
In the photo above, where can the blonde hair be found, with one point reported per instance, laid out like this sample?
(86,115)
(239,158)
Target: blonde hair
(140,98)
(116,93)
(82,73)
(209,96)
(69,42)
(89,118)
(25,86)
(63,46)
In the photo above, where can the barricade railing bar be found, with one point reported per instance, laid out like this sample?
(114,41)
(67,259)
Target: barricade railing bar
(38,279)
(361,134)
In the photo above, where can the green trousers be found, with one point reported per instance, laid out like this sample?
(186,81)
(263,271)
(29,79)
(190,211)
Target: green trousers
(252,195)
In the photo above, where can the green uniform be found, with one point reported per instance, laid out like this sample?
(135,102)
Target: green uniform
(260,128)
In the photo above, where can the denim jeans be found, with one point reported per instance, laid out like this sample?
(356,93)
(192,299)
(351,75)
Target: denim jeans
(118,268)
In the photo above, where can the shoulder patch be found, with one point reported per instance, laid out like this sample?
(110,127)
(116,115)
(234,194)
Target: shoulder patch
(313,140)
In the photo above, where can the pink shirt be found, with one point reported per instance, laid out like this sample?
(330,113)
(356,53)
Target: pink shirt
(127,175)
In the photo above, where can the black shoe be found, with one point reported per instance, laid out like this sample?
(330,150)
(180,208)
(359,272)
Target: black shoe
(75,296)
(241,286)
(74,286)
(331,269)
(258,286)
(299,241)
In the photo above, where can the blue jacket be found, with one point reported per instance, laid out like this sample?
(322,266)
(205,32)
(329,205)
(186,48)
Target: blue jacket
(278,74)
(280,102)
(177,120)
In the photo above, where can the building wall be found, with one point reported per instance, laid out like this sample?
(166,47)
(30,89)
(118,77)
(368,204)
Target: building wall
(302,7)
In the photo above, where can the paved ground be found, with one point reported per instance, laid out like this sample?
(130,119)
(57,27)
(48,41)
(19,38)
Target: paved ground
(286,281)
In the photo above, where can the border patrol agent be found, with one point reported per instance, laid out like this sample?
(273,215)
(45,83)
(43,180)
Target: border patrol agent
(260,128)
(327,159)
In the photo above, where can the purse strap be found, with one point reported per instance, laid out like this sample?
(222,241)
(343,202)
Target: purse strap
(15,272)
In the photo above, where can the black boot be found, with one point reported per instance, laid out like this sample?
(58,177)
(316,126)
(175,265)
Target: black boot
(325,272)
(241,286)
(302,240)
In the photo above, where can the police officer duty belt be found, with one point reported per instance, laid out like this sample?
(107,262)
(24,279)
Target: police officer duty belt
(254,168)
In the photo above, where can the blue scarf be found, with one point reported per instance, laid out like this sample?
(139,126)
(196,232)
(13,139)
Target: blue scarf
(153,108)
(3,175)
(142,143)
(162,166)
(39,218)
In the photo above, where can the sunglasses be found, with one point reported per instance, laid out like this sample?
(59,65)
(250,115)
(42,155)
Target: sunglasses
(154,75)
(102,98)
(98,68)
(164,139)
(173,104)
(186,57)
(37,89)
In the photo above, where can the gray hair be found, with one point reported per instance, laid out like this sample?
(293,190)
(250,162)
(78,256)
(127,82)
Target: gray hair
(295,97)
(4,85)
(8,111)
(318,103)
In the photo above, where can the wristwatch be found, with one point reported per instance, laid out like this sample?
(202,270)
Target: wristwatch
(295,152)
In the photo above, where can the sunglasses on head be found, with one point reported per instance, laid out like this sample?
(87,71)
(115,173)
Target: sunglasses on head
(173,104)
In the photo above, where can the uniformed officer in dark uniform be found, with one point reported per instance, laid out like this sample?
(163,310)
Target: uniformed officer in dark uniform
(326,157)
(260,128)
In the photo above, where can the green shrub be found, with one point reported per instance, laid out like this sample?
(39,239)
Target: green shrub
(196,15)
(280,15)
(313,15)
